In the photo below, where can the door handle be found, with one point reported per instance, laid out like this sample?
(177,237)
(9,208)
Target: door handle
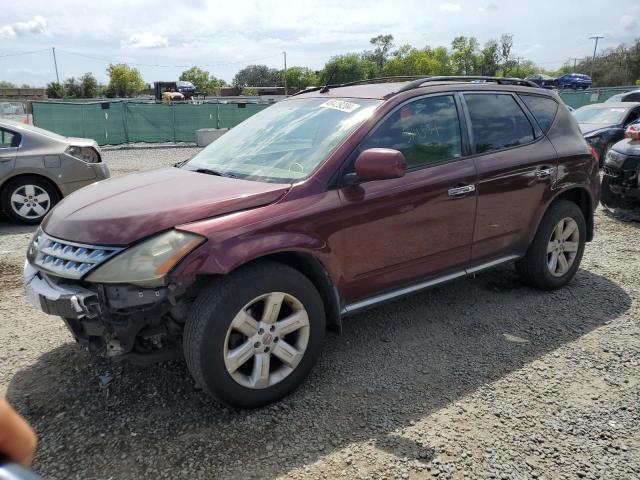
(545,172)
(461,191)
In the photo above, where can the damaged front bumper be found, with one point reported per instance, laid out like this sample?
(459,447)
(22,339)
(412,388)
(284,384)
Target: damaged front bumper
(64,300)
(144,324)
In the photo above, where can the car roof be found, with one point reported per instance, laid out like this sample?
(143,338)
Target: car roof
(382,91)
(28,128)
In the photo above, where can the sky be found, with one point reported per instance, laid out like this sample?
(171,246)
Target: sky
(162,40)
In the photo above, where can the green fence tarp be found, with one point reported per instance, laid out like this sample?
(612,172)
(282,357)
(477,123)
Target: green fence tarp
(121,122)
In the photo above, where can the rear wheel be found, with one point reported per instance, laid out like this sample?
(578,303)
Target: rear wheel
(28,199)
(554,256)
(252,337)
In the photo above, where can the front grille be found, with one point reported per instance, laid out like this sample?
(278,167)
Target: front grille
(610,172)
(67,259)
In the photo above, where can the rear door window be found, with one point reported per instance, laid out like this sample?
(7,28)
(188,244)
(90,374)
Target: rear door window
(426,131)
(543,109)
(8,138)
(497,122)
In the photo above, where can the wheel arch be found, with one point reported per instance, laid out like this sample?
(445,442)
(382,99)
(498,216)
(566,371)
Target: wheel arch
(36,175)
(581,197)
(312,268)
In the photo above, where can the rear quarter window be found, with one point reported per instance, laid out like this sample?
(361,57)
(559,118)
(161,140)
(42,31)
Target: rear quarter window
(543,109)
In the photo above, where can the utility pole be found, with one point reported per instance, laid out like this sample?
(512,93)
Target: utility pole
(55,63)
(285,72)
(574,63)
(595,47)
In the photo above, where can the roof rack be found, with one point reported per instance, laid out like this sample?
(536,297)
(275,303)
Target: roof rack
(499,80)
(416,81)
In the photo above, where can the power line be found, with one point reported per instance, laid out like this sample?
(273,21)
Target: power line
(17,54)
(166,66)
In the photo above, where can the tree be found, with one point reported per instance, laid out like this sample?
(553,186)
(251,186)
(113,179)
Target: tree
(72,88)
(411,61)
(198,77)
(124,81)
(257,76)
(506,43)
(89,85)
(4,84)
(383,44)
(301,77)
(464,57)
(490,58)
(55,90)
(348,68)
(25,85)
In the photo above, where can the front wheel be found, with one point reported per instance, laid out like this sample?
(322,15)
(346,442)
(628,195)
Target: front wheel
(554,256)
(252,337)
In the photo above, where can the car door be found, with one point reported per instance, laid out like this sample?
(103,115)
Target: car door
(9,143)
(419,226)
(517,166)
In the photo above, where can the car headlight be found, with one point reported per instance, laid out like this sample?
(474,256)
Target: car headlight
(614,158)
(86,154)
(593,140)
(147,263)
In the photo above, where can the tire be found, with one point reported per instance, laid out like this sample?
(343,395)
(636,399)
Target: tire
(211,336)
(36,193)
(535,268)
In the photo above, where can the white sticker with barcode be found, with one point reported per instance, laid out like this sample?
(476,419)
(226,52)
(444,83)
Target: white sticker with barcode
(341,105)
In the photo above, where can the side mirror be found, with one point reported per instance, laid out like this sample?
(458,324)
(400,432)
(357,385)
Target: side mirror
(378,164)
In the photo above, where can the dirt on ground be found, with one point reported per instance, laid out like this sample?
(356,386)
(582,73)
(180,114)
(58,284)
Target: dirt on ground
(479,378)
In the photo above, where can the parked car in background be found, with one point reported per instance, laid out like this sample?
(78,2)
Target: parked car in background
(541,79)
(621,176)
(573,80)
(322,205)
(38,168)
(186,88)
(633,96)
(603,124)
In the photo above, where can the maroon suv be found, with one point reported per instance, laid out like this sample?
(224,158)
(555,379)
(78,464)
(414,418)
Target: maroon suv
(322,205)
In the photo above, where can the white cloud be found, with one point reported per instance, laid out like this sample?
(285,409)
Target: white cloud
(146,40)
(34,26)
(450,7)
(629,23)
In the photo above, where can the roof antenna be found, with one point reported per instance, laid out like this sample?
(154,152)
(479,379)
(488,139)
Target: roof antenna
(325,89)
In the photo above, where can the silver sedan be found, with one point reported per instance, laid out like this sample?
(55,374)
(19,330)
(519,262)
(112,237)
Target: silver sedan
(38,168)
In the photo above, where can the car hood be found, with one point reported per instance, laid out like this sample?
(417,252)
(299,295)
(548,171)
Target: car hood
(120,211)
(594,127)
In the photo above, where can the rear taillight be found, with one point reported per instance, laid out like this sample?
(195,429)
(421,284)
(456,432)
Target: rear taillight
(633,131)
(594,152)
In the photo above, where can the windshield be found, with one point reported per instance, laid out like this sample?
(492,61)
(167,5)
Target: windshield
(615,98)
(286,141)
(604,116)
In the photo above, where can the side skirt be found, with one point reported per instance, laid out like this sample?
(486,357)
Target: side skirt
(360,305)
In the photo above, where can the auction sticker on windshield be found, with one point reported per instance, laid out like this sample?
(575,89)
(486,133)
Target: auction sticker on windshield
(341,105)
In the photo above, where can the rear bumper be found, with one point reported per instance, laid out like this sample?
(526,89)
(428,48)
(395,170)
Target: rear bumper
(101,172)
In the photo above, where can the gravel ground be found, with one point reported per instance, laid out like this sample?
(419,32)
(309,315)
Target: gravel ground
(480,378)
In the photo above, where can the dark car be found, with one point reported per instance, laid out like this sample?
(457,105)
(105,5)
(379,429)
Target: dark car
(319,206)
(541,80)
(186,88)
(603,124)
(621,176)
(573,80)
(633,96)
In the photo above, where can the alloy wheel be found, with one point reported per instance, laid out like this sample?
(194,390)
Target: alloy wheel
(266,340)
(562,248)
(30,201)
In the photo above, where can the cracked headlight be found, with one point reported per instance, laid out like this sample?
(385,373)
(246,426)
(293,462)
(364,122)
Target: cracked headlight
(147,263)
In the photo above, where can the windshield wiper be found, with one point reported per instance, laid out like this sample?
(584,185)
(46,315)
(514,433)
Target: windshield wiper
(179,164)
(209,171)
